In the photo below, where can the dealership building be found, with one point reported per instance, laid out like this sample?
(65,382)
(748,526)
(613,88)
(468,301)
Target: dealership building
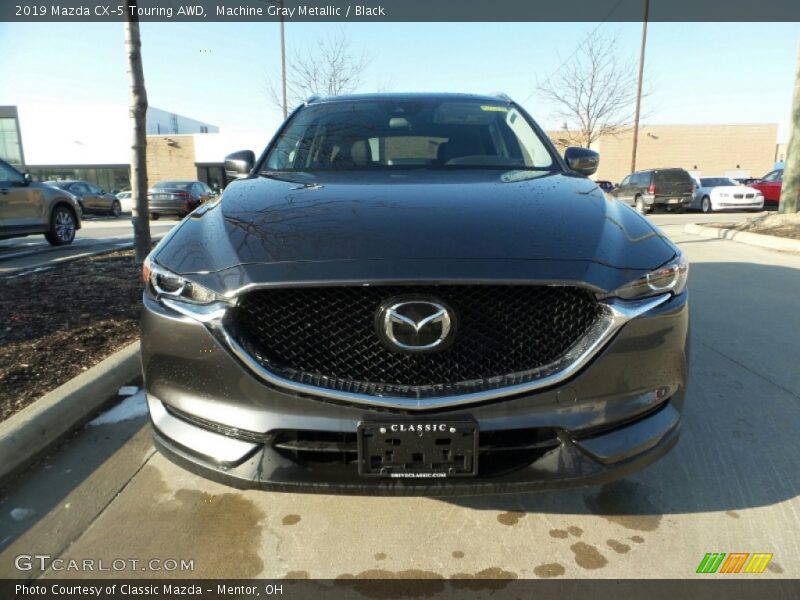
(740,151)
(92,142)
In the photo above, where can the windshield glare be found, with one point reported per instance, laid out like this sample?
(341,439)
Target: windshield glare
(716,181)
(390,134)
(172,185)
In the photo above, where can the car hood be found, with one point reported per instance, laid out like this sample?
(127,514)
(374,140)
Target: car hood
(413,225)
(734,189)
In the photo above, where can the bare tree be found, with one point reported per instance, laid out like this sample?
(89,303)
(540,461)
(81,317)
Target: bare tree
(331,68)
(594,92)
(138,115)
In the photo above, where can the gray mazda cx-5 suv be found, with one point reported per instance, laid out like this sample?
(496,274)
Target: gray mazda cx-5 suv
(28,207)
(414,294)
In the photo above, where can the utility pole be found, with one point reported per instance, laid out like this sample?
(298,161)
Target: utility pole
(283,63)
(639,86)
(790,190)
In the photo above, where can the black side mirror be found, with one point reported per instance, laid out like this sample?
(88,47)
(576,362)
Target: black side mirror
(239,164)
(582,160)
(27,178)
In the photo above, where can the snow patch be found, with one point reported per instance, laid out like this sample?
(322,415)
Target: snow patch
(130,408)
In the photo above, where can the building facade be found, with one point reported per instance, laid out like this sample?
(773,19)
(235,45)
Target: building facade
(704,150)
(89,142)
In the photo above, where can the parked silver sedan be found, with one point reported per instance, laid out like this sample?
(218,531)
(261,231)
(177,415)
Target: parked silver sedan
(722,193)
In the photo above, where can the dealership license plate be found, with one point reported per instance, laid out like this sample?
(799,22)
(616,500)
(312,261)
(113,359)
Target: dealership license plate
(418,449)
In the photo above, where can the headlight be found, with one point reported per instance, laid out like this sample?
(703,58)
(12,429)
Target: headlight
(669,278)
(166,284)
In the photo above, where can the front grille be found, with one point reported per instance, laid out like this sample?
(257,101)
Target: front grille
(325,337)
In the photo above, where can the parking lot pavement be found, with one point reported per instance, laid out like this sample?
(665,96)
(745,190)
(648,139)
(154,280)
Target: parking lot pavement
(731,484)
(97,234)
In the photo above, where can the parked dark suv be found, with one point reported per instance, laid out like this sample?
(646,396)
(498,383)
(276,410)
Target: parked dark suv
(27,208)
(672,189)
(414,294)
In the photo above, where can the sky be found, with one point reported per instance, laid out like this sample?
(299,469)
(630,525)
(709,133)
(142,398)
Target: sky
(698,73)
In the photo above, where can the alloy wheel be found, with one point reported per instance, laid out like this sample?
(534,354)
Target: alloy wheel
(65,225)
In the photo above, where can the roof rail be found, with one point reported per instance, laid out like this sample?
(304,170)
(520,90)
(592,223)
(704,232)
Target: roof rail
(502,96)
(313,98)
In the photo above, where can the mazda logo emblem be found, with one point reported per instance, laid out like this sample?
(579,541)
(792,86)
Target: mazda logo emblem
(415,324)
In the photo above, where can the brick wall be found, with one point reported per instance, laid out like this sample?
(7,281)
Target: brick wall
(709,149)
(170,157)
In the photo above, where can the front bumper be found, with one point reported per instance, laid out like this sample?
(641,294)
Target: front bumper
(618,414)
(735,204)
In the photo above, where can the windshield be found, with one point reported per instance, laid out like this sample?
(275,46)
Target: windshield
(390,134)
(172,185)
(716,181)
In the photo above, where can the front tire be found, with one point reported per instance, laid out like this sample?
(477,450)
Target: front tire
(62,227)
(705,205)
(116,209)
(154,216)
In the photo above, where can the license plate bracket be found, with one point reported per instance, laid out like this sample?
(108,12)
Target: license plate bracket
(418,449)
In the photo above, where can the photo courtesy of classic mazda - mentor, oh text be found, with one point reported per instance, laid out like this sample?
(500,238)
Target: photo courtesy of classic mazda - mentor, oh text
(414,294)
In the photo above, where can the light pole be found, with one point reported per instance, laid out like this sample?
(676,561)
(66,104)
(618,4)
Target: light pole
(283,61)
(639,87)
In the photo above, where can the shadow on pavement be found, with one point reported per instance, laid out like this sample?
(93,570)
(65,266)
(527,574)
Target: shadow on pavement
(739,443)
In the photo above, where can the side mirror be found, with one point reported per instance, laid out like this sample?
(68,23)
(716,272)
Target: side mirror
(239,164)
(27,178)
(582,160)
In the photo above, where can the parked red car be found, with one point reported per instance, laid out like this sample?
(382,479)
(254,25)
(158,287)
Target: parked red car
(770,186)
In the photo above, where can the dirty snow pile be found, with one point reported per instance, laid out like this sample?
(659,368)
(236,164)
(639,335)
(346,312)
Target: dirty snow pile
(133,406)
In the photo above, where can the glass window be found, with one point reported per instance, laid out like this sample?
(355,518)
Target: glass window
(7,173)
(10,146)
(672,176)
(385,134)
(711,182)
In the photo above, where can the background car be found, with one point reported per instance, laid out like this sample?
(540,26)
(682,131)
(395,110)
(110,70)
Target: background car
(645,190)
(126,200)
(604,185)
(722,193)
(27,208)
(91,198)
(770,185)
(177,197)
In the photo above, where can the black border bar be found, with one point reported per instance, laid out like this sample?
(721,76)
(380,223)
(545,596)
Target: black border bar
(755,587)
(403,11)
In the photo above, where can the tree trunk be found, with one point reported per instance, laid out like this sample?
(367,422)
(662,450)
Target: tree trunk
(790,190)
(138,115)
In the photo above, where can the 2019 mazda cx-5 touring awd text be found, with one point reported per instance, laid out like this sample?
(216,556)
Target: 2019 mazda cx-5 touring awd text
(414,294)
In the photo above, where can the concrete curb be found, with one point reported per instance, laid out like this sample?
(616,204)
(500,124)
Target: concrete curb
(753,239)
(33,429)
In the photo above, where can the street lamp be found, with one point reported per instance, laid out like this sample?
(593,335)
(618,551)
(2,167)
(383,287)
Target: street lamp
(279,3)
(639,86)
